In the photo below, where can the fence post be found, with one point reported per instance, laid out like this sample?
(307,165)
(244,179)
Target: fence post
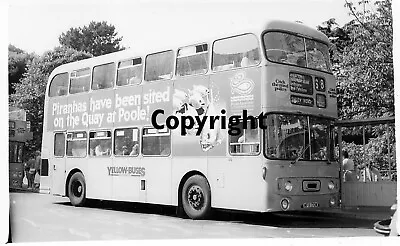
(365,166)
(388,143)
(340,165)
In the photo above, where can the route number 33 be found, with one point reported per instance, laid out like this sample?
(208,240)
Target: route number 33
(320,84)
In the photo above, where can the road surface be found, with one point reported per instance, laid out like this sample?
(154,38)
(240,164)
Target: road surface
(40,217)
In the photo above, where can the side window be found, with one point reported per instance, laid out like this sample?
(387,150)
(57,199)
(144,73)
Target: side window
(59,144)
(100,143)
(159,66)
(126,142)
(103,76)
(76,144)
(80,81)
(130,72)
(59,85)
(156,142)
(192,60)
(247,143)
(234,52)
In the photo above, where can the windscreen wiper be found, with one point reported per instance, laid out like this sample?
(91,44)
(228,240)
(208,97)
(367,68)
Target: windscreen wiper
(301,154)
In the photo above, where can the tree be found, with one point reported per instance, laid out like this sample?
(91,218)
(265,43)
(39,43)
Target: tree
(30,92)
(366,78)
(17,62)
(363,66)
(98,38)
(362,59)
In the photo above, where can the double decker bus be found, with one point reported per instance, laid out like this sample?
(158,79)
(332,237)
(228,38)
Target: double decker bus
(99,140)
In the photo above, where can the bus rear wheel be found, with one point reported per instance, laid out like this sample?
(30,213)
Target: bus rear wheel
(77,189)
(196,197)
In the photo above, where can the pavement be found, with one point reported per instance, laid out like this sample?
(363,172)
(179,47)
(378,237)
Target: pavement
(369,213)
(24,188)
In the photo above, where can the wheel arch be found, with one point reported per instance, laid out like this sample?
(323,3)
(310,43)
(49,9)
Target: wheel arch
(183,180)
(72,172)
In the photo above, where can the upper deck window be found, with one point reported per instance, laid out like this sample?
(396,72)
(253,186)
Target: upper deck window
(130,72)
(59,85)
(80,81)
(295,50)
(192,60)
(234,52)
(103,76)
(159,66)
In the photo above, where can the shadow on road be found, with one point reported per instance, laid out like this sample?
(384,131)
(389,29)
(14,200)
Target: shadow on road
(286,220)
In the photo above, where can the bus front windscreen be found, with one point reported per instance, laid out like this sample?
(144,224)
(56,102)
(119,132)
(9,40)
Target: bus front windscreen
(291,137)
(295,50)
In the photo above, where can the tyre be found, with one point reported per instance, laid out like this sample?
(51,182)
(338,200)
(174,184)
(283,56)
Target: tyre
(196,197)
(77,189)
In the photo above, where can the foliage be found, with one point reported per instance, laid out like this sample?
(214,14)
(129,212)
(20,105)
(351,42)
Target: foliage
(363,61)
(29,93)
(377,152)
(17,62)
(98,38)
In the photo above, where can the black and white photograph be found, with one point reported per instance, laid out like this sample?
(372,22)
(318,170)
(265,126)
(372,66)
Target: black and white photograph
(150,121)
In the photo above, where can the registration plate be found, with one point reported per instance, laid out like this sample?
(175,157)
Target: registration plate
(310,205)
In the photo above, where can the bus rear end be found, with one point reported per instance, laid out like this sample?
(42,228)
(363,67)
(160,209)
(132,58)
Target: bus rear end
(301,106)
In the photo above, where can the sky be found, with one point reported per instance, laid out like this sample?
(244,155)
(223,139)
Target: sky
(34,26)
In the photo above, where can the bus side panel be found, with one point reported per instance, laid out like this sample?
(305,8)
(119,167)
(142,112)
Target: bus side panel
(237,183)
(237,180)
(126,187)
(158,179)
(57,121)
(192,97)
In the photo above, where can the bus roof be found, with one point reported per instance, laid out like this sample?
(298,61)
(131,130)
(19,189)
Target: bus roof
(289,26)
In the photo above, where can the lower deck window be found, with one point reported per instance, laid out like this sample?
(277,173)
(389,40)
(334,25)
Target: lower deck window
(100,143)
(156,142)
(126,142)
(247,142)
(76,144)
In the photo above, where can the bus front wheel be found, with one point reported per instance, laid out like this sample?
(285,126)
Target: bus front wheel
(196,197)
(77,189)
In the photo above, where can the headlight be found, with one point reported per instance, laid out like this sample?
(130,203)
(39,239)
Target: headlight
(331,185)
(332,201)
(288,186)
(285,204)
